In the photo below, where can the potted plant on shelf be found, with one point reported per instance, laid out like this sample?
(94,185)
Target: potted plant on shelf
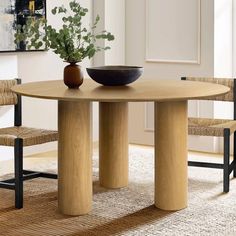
(72,42)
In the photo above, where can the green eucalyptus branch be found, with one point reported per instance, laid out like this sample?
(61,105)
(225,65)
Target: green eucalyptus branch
(72,42)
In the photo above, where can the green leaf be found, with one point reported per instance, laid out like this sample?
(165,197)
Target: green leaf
(64,19)
(62,9)
(54,11)
(72,41)
(97,18)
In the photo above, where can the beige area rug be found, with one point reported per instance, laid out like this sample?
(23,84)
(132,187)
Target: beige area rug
(128,211)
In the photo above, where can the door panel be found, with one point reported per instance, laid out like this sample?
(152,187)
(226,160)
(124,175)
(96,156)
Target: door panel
(141,125)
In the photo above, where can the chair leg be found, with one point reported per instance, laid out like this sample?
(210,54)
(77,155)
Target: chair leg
(18,161)
(234,171)
(226,159)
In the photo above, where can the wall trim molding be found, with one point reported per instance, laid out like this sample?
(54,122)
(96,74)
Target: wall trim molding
(147,128)
(160,60)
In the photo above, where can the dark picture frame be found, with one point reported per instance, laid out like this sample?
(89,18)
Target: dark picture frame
(16,12)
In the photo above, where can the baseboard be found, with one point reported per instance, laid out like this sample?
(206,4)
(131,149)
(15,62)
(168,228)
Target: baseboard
(42,148)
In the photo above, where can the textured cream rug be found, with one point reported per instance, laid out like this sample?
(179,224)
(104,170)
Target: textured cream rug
(128,211)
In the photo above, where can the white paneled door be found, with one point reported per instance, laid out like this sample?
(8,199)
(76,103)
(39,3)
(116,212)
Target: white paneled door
(174,39)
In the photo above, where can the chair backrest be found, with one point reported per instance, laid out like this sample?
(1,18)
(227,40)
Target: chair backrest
(7,97)
(228,97)
(231,83)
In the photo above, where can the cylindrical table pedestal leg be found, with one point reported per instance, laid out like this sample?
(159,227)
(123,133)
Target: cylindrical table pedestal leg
(171,155)
(74,158)
(113,144)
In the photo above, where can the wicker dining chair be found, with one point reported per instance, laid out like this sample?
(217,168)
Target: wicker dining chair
(19,137)
(217,128)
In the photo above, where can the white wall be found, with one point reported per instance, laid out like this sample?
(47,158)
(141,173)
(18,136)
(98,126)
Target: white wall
(223,56)
(223,51)
(223,38)
(234,39)
(8,70)
(112,14)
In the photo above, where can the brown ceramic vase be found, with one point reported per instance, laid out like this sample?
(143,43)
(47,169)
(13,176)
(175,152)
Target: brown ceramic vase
(73,76)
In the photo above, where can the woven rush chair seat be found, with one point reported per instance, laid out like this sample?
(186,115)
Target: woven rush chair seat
(30,136)
(210,127)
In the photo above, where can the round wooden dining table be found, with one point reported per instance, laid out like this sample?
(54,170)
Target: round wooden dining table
(74,128)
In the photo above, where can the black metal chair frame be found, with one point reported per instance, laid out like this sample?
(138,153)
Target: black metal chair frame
(227,167)
(21,175)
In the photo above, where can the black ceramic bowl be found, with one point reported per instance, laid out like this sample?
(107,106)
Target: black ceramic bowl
(115,75)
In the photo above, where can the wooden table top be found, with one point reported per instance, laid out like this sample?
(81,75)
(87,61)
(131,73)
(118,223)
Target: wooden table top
(141,90)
